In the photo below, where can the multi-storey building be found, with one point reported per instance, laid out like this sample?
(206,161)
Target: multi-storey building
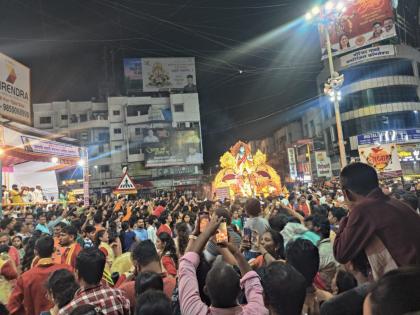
(157,139)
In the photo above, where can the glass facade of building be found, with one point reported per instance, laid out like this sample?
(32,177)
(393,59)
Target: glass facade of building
(377,69)
(377,96)
(381,122)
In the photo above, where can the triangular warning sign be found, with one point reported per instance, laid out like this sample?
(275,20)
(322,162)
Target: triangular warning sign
(126,183)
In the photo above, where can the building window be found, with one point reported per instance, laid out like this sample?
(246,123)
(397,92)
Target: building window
(313,129)
(116,113)
(306,132)
(332,133)
(134,148)
(137,131)
(118,148)
(64,117)
(381,122)
(379,95)
(117,131)
(103,136)
(137,110)
(377,69)
(73,118)
(103,168)
(179,108)
(45,120)
(83,117)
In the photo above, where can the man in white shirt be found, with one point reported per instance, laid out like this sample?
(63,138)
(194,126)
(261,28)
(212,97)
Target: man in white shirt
(151,229)
(39,195)
(31,194)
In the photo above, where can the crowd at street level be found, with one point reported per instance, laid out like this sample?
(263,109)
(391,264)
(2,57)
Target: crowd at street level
(347,248)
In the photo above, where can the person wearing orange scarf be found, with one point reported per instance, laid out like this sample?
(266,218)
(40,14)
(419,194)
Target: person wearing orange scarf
(71,247)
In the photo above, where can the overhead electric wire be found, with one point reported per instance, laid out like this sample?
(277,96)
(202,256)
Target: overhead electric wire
(247,122)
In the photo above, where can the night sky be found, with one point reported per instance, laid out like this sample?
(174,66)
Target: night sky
(69,44)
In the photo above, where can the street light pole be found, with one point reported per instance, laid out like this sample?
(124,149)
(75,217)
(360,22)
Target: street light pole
(341,148)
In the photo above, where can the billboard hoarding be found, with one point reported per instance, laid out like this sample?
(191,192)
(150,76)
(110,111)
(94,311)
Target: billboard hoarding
(163,74)
(15,90)
(367,54)
(323,164)
(384,158)
(33,144)
(170,146)
(292,162)
(363,23)
(133,78)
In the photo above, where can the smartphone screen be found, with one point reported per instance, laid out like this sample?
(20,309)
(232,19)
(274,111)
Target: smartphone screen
(204,220)
(222,234)
(247,235)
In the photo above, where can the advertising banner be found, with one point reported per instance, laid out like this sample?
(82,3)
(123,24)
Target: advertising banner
(409,152)
(85,157)
(133,79)
(363,23)
(323,164)
(15,90)
(38,145)
(163,74)
(168,147)
(384,158)
(387,136)
(367,54)
(222,193)
(292,162)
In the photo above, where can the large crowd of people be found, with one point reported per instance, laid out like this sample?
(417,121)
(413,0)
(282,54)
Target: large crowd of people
(351,247)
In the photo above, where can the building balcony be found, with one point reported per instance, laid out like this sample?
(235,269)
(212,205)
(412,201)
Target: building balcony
(88,124)
(130,120)
(135,157)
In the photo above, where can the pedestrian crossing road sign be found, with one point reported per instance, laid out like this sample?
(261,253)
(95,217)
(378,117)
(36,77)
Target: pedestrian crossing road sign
(126,185)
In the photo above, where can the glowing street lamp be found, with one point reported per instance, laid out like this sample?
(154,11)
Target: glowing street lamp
(81,162)
(54,160)
(315,10)
(329,6)
(325,15)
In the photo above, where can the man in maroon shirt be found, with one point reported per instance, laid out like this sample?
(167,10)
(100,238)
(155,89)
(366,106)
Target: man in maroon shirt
(383,227)
(145,258)
(29,295)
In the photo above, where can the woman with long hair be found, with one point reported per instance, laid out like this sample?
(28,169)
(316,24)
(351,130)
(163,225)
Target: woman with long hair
(102,243)
(61,287)
(181,241)
(186,218)
(271,247)
(29,258)
(167,250)
(344,42)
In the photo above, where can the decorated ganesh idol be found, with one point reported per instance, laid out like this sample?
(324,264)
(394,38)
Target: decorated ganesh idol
(245,175)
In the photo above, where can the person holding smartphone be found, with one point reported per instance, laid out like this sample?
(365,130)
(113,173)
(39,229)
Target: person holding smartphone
(223,284)
(255,223)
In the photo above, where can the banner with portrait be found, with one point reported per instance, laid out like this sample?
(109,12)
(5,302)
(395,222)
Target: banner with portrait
(364,22)
(169,147)
(163,74)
